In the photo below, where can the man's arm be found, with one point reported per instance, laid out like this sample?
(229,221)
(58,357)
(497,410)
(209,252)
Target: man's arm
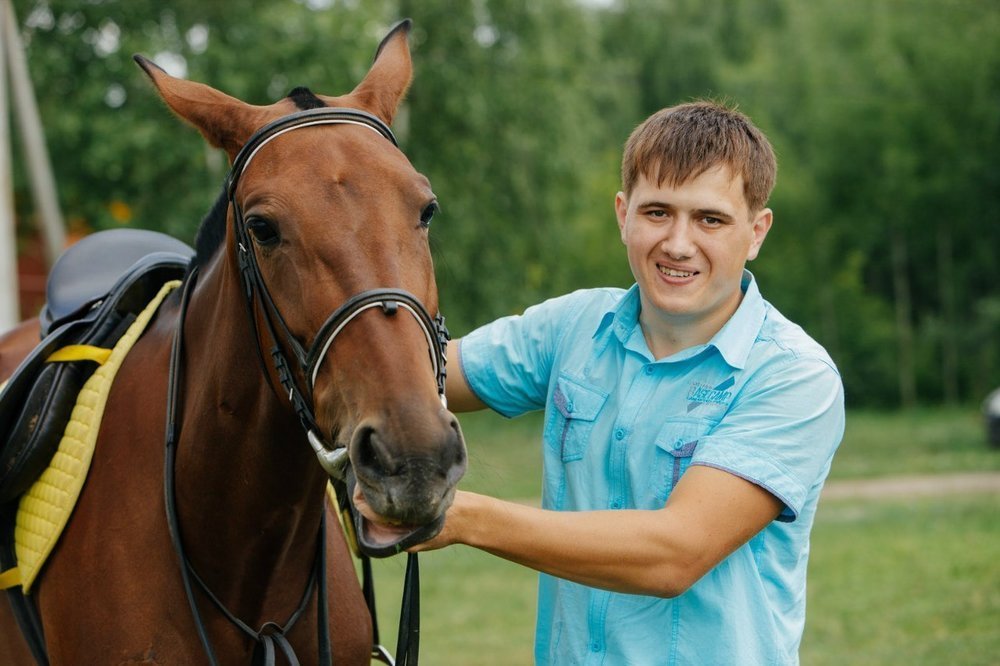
(460,396)
(709,515)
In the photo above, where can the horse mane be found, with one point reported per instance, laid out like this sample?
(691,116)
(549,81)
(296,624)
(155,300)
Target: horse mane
(212,230)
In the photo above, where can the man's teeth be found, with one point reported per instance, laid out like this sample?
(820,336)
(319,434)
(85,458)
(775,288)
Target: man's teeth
(675,273)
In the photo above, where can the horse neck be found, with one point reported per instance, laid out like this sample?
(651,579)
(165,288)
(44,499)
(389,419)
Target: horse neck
(249,489)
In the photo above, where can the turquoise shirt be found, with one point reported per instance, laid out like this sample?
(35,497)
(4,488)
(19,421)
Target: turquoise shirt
(761,400)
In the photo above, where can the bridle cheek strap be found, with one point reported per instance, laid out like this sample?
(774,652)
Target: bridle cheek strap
(335,461)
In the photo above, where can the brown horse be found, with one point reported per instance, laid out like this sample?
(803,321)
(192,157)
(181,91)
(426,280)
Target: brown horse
(322,210)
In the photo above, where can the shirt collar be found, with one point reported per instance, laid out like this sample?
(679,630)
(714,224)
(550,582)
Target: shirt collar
(623,317)
(734,340)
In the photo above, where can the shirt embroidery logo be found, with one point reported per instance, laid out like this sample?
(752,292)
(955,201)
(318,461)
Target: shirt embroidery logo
(702,394)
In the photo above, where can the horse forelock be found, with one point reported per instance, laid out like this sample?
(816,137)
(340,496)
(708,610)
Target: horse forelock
(305,99)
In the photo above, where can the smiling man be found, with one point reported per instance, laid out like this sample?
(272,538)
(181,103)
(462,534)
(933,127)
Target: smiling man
(689,426)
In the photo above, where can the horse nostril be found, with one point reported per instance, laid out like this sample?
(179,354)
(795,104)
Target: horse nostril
(365,451)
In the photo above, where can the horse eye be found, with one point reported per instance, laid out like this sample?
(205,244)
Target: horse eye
(428,213)
(262,231)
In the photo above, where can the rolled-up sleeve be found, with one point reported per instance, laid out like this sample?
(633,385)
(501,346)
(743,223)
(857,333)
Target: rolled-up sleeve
(508,363)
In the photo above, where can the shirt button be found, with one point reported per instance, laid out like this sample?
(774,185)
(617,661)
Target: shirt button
(569,407)
(678,445)
(594,647)
(617,504)
(619,434)
(649,369)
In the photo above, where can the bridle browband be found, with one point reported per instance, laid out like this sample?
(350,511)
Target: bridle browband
(271,637)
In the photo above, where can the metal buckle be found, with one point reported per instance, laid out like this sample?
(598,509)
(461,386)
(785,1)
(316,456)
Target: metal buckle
(379,653)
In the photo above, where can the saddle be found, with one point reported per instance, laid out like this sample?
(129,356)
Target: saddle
(94,292)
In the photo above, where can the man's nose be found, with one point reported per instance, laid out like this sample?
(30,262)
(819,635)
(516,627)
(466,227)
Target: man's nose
(679,240)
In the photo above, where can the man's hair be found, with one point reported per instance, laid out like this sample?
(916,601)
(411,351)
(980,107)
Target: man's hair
(681,142)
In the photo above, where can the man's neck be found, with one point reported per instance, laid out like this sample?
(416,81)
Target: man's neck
(667,334)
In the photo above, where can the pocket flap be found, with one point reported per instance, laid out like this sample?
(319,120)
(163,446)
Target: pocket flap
(680,437)
(575,401)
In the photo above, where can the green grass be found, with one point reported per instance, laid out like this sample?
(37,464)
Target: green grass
(890,582)
(905,583)
(927,441)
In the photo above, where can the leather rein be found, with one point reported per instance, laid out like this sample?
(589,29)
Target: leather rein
(270,638)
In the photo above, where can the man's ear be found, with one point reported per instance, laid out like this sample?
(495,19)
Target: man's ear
(760,226)
(621,209)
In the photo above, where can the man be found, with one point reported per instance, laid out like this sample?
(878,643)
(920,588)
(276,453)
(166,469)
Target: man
(689,426)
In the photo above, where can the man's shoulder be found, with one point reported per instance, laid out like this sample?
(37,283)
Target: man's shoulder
(785,340)
(583,303)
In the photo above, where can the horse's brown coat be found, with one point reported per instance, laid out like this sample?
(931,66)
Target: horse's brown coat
(249,489)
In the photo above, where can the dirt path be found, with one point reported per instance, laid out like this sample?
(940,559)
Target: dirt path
(914,486)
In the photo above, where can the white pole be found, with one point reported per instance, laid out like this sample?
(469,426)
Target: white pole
(9,307)
(43,185)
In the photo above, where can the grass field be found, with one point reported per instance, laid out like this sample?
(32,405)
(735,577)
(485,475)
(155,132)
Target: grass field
(890,582)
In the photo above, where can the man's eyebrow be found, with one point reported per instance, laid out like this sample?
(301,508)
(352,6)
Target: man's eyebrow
(654,204)
(704,212)
(712,212)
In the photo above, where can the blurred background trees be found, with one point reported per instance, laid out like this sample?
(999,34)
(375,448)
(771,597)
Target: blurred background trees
(885,115)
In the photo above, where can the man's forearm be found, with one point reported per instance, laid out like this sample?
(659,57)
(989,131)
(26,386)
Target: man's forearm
(624,551)
(710,514)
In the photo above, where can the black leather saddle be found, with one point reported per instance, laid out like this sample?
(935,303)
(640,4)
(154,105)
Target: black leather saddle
(94,292)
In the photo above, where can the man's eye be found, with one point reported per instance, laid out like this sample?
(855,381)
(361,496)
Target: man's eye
(428,213)
(262,231)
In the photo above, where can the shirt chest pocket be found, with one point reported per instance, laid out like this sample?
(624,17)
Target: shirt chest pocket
(675,446)
(572,421)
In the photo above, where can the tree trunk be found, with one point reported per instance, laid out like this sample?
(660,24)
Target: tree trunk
(949,316)
(904,323)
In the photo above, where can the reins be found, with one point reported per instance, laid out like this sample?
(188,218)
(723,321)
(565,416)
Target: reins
(271,637)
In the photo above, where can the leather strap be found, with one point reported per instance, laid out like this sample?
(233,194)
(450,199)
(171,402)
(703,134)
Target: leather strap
(408,642)
(23,606)
(270,634)
(79,353)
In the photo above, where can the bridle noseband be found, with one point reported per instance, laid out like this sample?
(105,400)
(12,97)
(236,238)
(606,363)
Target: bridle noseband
(390,300)
(270,638)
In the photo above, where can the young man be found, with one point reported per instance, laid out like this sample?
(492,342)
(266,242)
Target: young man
(689,426)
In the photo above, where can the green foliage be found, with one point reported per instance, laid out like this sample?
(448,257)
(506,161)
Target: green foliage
(501,117)
(884,115)
(119,156)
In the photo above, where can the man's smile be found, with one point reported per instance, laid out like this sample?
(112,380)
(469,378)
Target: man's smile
(675,272)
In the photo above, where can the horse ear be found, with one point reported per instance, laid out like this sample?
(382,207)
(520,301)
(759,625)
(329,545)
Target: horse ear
(224,121)
(387,81)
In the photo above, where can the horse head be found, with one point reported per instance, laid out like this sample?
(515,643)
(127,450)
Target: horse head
(327,225)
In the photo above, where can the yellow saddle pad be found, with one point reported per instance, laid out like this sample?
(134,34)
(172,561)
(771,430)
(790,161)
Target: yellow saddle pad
(45,508)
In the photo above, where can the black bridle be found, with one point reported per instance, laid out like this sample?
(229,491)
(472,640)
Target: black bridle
(271,637)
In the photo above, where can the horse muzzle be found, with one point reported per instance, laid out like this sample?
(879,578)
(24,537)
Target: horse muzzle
(408,487)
